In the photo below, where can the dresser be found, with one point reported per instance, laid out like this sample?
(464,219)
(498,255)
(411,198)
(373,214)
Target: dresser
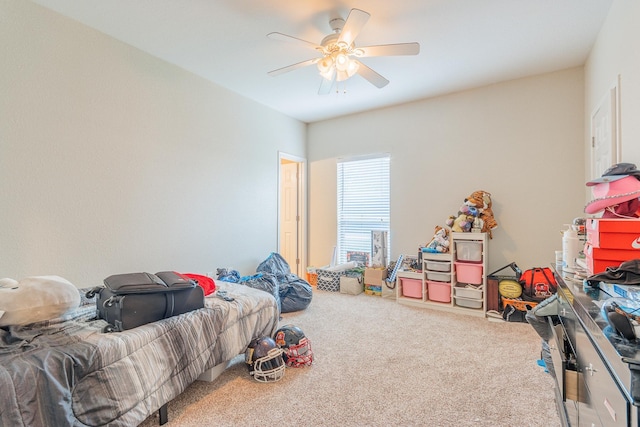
(592,365)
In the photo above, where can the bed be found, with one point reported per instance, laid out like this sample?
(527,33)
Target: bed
(66,371)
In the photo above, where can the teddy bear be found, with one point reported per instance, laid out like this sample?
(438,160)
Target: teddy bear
(440,241)
(461,223)
(481,201)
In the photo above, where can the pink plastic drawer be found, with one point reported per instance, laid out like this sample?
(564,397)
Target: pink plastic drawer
(411,288)
(439,291)
(469,273)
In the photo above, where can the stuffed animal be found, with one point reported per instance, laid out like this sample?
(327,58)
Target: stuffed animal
(461,223)
(481,200)
(440,241)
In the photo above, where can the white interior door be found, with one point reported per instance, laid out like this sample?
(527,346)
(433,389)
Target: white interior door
(290,215)
(605,150)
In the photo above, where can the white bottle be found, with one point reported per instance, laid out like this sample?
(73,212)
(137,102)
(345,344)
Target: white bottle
(570,249)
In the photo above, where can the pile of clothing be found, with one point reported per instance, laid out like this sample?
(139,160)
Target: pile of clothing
(274,275)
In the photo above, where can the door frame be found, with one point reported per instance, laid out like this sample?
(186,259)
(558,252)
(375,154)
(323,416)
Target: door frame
(302,210)
(610,101)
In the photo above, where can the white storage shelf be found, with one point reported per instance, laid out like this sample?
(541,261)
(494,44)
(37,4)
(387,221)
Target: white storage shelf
(439,273)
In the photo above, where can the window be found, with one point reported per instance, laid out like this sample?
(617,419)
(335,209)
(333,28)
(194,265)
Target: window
(363,203)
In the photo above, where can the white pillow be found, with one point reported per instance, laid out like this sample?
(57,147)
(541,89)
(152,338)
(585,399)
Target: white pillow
(35,299)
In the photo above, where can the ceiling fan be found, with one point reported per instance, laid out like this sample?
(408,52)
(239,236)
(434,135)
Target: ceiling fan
(339,55)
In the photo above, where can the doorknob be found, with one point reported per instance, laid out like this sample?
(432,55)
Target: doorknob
(590,369)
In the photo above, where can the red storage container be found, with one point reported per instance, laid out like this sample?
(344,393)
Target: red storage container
(610,254)
(596,266)
(621,234)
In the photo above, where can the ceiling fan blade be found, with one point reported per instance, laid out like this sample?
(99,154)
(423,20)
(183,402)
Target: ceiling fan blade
(388,50)
(293,67)
(290,39)
(326,85)
(374,78)
(352,26)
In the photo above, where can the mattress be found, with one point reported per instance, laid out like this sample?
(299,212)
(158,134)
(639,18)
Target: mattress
(68,372)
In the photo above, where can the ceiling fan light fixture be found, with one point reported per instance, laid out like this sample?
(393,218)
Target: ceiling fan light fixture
(325,65)
(342,61)
(328,75)
(339,58)
(353,67)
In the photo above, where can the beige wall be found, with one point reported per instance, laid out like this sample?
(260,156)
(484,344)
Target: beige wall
(114,161)
(111,160)
(616,55)
(534,118)
(520,140)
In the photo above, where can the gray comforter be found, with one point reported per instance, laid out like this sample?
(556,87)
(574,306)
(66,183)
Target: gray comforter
(68,372)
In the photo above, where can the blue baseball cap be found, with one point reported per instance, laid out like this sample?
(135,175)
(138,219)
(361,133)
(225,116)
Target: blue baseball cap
(616,172)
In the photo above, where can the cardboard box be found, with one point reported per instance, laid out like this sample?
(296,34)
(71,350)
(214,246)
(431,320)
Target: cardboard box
(373,290)
(595,266)
(622,234)
(375,276)
(598,259)
(574,386)
(613,225)
(610,254)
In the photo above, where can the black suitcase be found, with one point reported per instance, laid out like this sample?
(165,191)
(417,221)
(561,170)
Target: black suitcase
(134,299)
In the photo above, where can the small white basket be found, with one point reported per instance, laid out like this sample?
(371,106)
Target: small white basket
(468,302)
(465,291)
(469,251)
(438,276)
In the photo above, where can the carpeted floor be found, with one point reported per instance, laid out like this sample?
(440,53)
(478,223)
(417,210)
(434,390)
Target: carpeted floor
(379,363)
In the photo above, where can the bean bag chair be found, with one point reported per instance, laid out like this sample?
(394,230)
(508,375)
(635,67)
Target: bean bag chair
(295,293)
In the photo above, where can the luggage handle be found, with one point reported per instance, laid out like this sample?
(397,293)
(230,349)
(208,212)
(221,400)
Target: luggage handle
(171,304)
(141,283)
(513,266)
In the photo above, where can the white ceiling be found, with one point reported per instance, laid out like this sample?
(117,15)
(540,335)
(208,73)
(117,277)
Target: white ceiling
(463,43)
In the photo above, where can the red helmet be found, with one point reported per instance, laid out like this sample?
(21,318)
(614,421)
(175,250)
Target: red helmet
(296,346)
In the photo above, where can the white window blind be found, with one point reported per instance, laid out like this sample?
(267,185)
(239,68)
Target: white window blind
(363,203)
